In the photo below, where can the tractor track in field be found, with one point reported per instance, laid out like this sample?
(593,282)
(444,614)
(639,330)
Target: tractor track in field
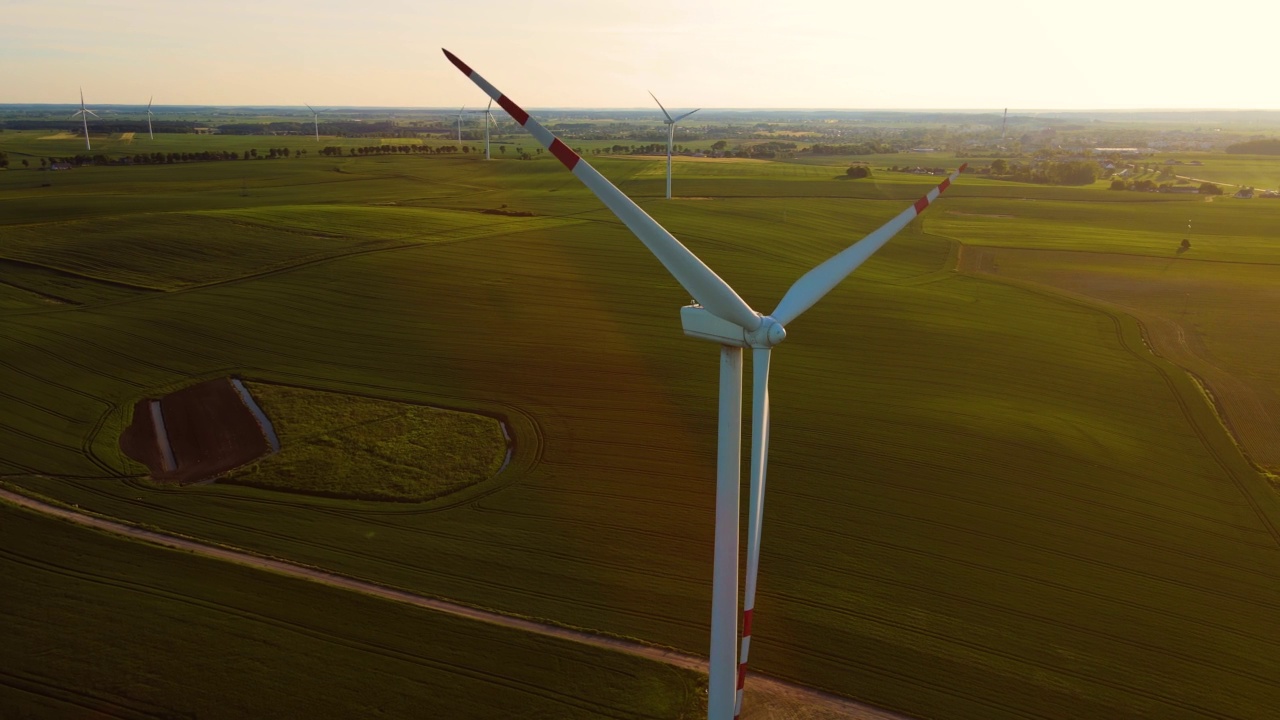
(778,698)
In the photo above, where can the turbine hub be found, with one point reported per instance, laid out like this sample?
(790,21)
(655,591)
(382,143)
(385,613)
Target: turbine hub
(769,333)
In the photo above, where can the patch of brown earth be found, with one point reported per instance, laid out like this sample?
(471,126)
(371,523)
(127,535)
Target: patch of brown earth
(209,428)
(138,441)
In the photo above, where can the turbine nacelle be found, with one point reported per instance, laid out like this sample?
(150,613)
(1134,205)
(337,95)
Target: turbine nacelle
(700,323)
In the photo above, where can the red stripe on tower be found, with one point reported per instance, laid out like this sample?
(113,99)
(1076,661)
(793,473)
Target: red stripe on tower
(742,675)
(921,204)
(942,186)
(746,621)
(562,151)
(513,110)
(457,63)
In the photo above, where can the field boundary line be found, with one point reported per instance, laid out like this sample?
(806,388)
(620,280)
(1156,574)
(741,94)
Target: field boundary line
(839,705)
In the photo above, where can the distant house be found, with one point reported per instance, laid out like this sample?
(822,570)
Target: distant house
(922,150)
(1195,162)
(206,130)
(60,166)
(1244,193)
(1270,194)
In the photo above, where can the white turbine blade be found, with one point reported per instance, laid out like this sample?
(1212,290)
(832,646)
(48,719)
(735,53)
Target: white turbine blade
(313,110)
(755,502)
(697,279)
(816,283)
(92,113)
(681,117)
(664,110)
(149,100)
(76,113)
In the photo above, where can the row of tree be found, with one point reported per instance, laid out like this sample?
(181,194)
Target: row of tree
(1152,186)
(1077,172)
(1257,146)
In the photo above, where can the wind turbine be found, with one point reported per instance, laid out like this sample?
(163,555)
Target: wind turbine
(316,113)
(488,118)
(1004,124)
(720,315)
(149,114)
(84,114)
(671,135)
(460,111)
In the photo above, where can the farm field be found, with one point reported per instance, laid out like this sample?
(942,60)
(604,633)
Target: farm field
(1212,318)
(986,501)
(97,626)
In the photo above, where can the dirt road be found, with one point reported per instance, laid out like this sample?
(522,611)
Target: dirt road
(766,698)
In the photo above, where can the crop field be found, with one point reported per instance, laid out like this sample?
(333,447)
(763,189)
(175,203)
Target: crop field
(1212,318)
(987,500)
(97,626)
(1259,171)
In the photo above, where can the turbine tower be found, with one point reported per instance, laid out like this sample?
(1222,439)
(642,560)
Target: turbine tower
(1004,124)
(84,114)
(671,135)
(720,315)
(150,134)
(316,118)
(460,111)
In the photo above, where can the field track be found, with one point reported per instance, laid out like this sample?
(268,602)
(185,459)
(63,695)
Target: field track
(767,697)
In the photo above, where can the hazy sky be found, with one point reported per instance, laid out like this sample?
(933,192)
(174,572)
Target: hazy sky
(605,53)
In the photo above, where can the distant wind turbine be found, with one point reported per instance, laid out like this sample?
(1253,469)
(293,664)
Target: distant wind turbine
(488,119)
(460,111)
(316,113)
(149,114)
(671,135)
(84,114)
(720,315)
(1004,124)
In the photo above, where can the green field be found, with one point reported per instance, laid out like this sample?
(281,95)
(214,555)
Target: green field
(97,626)
(986,501)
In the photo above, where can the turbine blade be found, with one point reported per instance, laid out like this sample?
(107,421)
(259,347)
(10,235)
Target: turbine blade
(92,113)
(816,283)
(153,97)
(755,504)
(697,279)
(313,110)
(681,117)
(664,110)
(76,113)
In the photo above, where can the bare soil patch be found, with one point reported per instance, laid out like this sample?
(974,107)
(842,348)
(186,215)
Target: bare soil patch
(209,429)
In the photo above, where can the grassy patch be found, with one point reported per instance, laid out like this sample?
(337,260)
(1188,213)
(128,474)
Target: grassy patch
(356,447)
